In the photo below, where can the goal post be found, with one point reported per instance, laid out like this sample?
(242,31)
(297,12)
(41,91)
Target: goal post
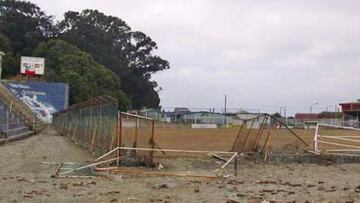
(333,139)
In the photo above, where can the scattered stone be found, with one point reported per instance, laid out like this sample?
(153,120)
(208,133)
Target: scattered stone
(328,163)
(331,190)
(234,189)
(357,189)
(197,189)
(320,188)
(112,192)
(194,181)
(27,196)
(155,200)
(20,179)
(161,186)
(78,195)
(78,184)
(63,186)
(131,199)
(231,201)
(91,183)
(267,190)
(235,182)
(266,182)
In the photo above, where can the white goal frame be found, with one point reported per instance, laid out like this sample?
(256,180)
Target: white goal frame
(348,148)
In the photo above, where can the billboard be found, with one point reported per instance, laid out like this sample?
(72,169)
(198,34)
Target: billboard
(32,65)
(44,98)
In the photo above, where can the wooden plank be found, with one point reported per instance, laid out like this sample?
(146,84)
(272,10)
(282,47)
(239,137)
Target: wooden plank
(218,157)
(223,166)
(58,169)
(267,146)
(137,172)
(89,165)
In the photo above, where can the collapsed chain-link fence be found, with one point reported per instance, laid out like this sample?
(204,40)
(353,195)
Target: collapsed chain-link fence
(91,124)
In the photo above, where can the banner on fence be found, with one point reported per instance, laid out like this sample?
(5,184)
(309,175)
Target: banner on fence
(44,98)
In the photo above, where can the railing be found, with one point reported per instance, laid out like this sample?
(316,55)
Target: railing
(19,108)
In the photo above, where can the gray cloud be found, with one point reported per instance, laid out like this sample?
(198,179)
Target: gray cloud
(263,54)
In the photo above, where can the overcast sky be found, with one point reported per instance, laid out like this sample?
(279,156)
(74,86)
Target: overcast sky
(262,54)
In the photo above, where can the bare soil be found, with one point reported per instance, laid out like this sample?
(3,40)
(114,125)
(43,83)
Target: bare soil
(24,176)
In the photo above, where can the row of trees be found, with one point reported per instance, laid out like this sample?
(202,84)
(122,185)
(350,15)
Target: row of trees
(93,52)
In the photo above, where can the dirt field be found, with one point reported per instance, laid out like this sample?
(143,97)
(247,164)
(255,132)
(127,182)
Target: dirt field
(220,139)
(25,178)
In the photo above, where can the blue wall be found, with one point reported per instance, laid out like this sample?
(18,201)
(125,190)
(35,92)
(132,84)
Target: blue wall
(44,98)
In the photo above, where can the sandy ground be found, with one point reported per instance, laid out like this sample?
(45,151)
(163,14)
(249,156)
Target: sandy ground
(24,178)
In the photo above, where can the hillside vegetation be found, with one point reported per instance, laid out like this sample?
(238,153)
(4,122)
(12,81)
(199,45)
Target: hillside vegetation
(93,52)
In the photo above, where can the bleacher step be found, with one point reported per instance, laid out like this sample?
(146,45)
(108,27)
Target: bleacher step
(20,136)
(15,129)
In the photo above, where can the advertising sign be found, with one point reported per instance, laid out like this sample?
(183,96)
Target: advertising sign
(44,98)
(32,65)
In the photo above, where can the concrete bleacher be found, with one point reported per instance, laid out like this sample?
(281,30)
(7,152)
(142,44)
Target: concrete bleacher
(17,120)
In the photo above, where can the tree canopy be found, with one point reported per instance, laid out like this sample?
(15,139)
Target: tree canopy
(113,44)
(87,78)
(88,48)
(25,25)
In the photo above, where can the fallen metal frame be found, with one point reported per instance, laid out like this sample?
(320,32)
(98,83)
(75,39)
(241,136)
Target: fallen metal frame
(243,143)
(120,169)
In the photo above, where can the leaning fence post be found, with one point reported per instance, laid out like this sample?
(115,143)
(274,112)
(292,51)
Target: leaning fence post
(119,125)
(34,123)
(152,143)
(236,165)
(7,120)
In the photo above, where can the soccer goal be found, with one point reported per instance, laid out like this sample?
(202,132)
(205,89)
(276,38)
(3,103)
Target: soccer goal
(332,139)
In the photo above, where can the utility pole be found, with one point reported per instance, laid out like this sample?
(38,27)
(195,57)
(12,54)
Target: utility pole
(1,55)
(225,110)
(285,116)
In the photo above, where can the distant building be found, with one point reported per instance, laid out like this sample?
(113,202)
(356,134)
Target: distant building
(177,115)
(351,113)
(309,121)
(204,117)
(247,119)
(155,114)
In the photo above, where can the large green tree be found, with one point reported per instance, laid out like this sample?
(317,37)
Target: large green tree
(113,44)
(67,63)
(109,40)
(22,27)
(25,25)
(9,62)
